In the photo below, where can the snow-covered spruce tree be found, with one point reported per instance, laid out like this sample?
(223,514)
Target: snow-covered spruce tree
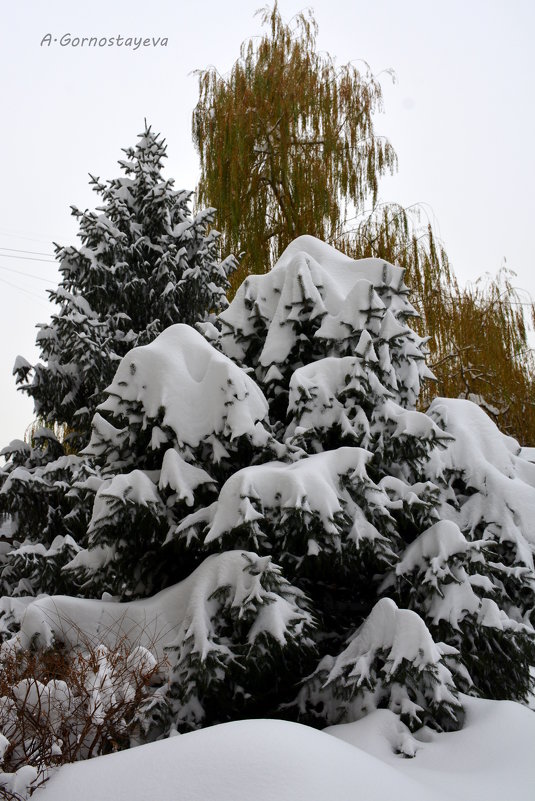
(391,661)
(144,263)
(292,434)
(245,633)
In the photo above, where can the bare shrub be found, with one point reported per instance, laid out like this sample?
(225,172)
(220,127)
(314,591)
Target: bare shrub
(62,705)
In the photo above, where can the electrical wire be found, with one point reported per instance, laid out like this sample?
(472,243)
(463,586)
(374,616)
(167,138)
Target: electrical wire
(26,275)
(4,232)
(28,258)
(26,291)
(33,252)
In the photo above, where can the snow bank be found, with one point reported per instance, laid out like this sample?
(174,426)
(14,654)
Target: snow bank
(489,760)
(260,759)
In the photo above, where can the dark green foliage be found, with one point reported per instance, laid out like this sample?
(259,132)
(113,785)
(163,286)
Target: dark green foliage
(144,263)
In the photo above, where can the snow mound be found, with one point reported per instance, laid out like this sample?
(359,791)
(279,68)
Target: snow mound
(490,759)
(260,759)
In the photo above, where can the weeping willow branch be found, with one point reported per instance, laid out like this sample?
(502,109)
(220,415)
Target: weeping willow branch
(286,142)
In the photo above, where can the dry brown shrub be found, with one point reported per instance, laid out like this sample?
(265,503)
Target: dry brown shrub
(62,705)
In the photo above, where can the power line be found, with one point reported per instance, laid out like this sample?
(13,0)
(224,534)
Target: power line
(29,258)
(26,275)
(26,291)
(33,252)
(4,232)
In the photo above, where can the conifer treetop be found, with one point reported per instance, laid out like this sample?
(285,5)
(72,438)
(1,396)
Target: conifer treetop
(144,263)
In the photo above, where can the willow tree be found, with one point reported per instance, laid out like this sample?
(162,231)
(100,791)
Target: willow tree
(286,142)
(287,146)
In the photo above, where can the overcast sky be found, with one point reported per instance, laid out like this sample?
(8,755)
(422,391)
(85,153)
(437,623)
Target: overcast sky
(460,117)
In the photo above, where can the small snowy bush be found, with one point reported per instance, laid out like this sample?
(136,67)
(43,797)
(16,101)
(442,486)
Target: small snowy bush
(59,706)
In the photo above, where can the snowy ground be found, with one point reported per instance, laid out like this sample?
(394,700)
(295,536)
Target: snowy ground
(491,759)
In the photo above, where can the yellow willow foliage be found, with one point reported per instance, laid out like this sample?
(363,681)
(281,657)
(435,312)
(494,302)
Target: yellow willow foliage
(478,334)
(60,431)
(287,147)
(286,142)
(480,351)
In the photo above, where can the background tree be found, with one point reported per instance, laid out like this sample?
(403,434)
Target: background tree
(287,146)
(286,142)
(144,263)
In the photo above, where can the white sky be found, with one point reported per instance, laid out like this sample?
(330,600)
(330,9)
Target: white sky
(460,117)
